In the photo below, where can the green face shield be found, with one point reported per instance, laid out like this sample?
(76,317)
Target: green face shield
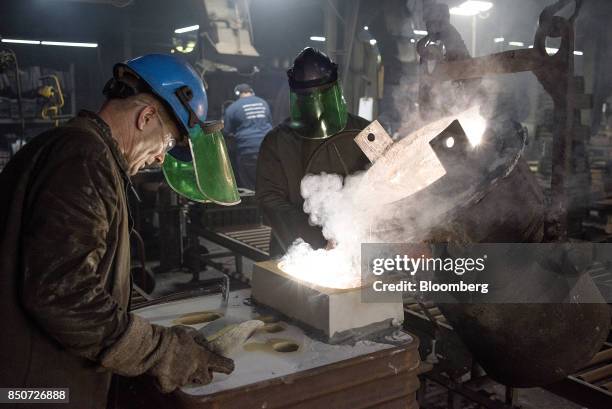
(209,176)
(318,114)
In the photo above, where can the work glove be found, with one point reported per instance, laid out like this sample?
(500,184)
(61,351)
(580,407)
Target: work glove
(228,339)
(188,360)
(174,356)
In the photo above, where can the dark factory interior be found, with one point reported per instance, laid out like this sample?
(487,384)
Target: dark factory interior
(306,204)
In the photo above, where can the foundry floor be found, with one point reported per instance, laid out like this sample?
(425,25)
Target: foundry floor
(436,397)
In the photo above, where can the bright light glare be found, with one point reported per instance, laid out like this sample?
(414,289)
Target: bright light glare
(420,32)
(551,50)
(474,125)
(325,268)
(578,53)
(450,142)
(187,29)
(499,39)
(456,11)
(516,44)
(373,41)
(18,41)
(366,28)
(68,44)
(471,8)
(479,6)
(317,38)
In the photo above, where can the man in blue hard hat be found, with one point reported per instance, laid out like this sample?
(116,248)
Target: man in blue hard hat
(248,120)
(64,237)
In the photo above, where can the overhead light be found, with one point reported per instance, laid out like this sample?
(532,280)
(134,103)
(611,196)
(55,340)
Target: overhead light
(499,39)
(187,29)
(18,41)
(68,44)
(471,8)
(457,11)
(317,38)
(412,40)
(373,41)
(420,32)
(578,53)
(366,28)
(516,44)
(551,50)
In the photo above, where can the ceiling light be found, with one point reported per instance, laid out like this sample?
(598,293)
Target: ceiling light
(420,32)
(499,39)
(18,41)
(187,29)
(373,41)
(578,53)
(317,38)
(471,8)
(516,44)
(366,28)
(457,11)
(479,6)
(67,44)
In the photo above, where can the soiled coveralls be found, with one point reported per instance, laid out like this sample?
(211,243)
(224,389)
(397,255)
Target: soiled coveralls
(65,268)
(282,163)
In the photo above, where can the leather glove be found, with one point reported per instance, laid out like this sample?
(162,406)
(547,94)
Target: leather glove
(188,360)
(175,356)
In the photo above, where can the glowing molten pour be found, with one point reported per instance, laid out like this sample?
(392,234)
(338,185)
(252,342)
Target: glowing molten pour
(474,125)
(326,268)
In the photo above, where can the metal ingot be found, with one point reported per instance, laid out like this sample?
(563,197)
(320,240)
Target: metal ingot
(489,195)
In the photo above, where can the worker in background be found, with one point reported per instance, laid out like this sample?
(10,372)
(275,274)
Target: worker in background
(247,120)
(318,115)
(64,237)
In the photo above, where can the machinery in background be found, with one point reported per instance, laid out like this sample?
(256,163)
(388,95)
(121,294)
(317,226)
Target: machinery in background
(51,91)
(231,30)
(31,100)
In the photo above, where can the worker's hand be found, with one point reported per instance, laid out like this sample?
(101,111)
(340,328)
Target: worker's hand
(228,339)
(187,359)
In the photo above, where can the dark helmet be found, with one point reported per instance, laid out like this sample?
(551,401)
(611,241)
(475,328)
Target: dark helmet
(312,68)
(318,109)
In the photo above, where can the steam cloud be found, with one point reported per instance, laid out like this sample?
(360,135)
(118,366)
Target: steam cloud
(351,210)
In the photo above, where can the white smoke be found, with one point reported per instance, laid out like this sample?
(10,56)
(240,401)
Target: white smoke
(330,202)
(352,211)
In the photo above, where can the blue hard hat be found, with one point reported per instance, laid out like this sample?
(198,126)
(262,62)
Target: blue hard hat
(175,82)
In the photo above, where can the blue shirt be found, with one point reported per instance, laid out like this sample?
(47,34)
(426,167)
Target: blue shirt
(249,120)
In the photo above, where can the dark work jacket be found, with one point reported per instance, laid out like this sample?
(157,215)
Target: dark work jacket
(64,261)
(281,165)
